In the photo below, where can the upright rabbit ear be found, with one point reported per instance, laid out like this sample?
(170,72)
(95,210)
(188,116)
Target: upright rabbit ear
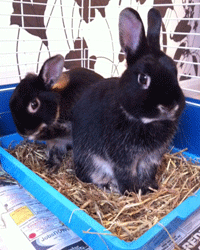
(52,70)
(131,34)
(154,25)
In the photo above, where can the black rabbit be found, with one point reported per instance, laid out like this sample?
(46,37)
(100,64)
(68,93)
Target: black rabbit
(41,105)
(122,126)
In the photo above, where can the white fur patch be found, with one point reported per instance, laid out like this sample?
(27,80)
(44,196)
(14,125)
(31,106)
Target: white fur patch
(103,167)
(103,173)
(128,116)
(146,120)
(34,135)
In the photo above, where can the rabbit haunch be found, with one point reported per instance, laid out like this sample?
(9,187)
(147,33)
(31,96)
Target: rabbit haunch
(41,105)
(121,127)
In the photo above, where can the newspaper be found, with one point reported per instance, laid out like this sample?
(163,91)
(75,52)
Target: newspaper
(187,236)
(25,223)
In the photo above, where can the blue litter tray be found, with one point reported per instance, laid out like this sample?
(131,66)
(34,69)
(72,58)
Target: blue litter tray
(188,136)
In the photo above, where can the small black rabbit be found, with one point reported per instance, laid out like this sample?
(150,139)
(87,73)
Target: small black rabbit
(41,105)
(121,127)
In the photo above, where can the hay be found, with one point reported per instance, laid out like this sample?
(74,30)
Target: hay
(127,217)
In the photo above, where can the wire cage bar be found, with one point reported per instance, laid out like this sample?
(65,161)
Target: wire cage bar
(85,32)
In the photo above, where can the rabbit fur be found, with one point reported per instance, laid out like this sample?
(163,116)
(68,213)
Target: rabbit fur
(41,105)
(122,126)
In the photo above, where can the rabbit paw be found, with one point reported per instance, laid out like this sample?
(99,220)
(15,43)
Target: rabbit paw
(149,186)
(55,158)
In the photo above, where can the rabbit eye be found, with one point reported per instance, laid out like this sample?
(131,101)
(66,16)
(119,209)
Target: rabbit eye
(144,80)
(34,106)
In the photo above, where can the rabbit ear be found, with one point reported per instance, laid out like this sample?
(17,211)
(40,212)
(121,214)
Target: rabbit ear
(154,25)
(52,70)
(131,34)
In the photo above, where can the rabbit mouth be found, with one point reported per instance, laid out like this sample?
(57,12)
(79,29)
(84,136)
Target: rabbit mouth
(36,135)
(51,131)
(165,113)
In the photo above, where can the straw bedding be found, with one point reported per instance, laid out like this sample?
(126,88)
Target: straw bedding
(127,217)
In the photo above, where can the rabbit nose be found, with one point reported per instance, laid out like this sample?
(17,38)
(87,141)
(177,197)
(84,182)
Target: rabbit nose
(168,111)
(164,109)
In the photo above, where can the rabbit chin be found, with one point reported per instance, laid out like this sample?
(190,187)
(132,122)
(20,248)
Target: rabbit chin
(37,132)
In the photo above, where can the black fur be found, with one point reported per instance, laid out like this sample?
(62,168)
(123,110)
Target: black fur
(52,121)
(123,126)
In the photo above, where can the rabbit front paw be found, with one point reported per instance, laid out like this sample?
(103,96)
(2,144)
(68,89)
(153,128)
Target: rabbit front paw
(146,179)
